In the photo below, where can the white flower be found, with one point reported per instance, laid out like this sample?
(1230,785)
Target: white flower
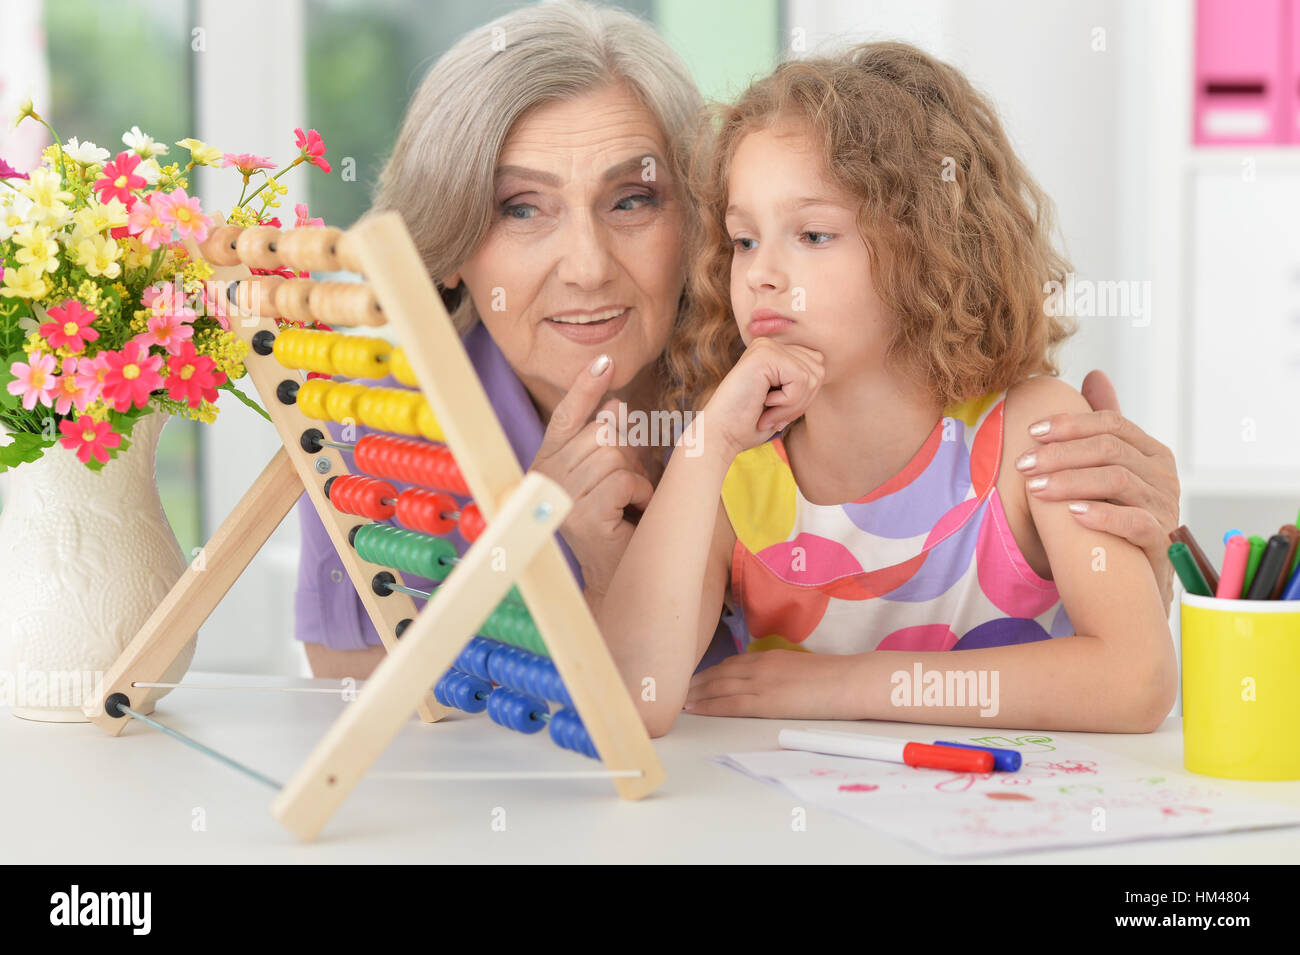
(13,212)
(149,171)
(143,143)
(86,153)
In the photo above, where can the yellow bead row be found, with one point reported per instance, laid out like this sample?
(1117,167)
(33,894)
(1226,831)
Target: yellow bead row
(385,409)
(333,353)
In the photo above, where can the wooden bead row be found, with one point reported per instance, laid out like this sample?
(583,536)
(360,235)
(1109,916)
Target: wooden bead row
(306,300)
(306,248)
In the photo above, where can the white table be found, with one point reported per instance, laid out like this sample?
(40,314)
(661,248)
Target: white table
(70,794)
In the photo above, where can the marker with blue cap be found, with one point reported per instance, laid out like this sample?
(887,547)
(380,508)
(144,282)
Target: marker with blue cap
(1004,760)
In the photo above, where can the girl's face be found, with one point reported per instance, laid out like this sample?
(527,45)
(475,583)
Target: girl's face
(800,270)
(584,255)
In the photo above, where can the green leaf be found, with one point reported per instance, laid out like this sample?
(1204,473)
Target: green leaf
(229,386)
(23,448)
(7,400)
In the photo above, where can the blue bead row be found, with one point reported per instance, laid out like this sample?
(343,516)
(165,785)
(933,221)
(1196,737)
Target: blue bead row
(463,691)
(505,705)
(568,732)
(513,667)
(516,711)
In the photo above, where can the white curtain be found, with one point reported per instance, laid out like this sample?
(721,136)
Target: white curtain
(24,72)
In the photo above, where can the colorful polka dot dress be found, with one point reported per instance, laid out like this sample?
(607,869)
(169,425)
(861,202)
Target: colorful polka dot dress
(926,561)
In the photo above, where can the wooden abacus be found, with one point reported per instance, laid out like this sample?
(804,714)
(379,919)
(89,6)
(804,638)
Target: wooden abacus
(514,516)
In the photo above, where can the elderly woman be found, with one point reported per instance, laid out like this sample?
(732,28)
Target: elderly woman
(540,171)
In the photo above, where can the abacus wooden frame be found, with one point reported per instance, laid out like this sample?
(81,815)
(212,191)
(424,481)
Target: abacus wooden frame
(521,514)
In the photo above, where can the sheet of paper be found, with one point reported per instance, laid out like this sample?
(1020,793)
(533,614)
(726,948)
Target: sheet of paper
(1065,794)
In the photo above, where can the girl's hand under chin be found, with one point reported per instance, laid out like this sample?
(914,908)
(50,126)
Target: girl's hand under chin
(771,385)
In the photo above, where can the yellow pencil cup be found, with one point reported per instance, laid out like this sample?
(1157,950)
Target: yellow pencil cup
(1241,687)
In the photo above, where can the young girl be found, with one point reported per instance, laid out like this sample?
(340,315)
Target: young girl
(851,481)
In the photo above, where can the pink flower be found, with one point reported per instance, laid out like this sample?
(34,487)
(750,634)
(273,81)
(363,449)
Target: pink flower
(215,304)
(71,326)
(119,179)
(168,330)
(91,373)
(34,381)
(70,392)
(89,437)
(185,212)
(247,163)
(147,220)
(132,376)
(312,148)
(301,211)
(158,297)
(9,172)
(192,377)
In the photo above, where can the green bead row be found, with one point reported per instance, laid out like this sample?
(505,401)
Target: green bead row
(511,623)
(408,551)
(435,557)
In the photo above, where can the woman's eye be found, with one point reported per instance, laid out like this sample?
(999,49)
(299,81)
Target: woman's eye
(820,238)
(638,200)
(520,210)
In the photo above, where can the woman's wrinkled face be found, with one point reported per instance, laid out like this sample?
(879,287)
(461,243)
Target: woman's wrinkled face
(584,254)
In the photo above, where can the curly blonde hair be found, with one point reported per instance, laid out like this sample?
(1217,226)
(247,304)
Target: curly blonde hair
(960,234)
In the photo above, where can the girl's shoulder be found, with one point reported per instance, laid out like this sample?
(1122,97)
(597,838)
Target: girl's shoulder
(1038,398)
(1035,399)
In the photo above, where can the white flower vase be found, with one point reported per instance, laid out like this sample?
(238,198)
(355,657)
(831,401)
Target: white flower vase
(85,559)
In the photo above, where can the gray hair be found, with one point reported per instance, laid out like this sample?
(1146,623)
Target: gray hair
(439,176)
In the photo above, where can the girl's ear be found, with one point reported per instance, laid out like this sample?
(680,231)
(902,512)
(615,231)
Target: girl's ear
(451,281)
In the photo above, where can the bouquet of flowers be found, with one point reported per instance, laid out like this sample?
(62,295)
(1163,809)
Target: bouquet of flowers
(104,315)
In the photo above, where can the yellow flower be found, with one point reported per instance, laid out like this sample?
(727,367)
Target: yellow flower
(242,216)
(99,256)
(89,295)
(135,254)
(35,343)
(195,273)
(202,153)
(225,349)
(96,218)
(36,248)
(24,110)
(45,190)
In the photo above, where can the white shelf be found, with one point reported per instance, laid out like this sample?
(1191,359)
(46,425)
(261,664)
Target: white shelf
(1254,487)
(1267,157)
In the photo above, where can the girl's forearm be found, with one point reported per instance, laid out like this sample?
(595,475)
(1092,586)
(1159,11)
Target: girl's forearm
(651,611)
(1077,683)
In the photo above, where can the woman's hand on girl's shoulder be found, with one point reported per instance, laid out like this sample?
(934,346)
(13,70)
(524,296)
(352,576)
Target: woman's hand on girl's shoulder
(1127,479)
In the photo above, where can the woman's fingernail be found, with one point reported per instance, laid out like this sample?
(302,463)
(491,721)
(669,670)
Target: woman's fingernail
(1026,461)
(1039,428)
(1036,484)
(599,365)
(1079,507)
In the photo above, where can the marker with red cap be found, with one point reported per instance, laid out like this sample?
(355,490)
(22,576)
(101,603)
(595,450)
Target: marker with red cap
(889,750)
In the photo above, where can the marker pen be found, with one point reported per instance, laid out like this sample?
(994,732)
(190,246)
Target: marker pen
(889,750)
